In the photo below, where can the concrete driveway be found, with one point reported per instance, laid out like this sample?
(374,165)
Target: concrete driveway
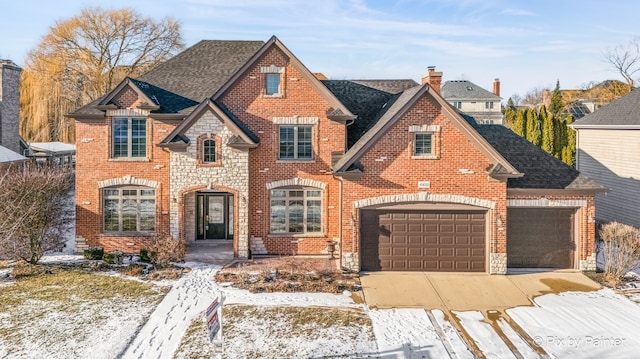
(466,291)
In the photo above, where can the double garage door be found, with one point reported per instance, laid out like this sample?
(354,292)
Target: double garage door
(416,240)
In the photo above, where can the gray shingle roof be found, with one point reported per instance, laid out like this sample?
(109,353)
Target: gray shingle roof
(466,90)
(541,170)
(364,101)
(199,71)
(193,75)
(168,102)
(390,86)
(624,111)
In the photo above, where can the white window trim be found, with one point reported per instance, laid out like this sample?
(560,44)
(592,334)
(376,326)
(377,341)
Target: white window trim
(120,199)
(304,198)
(295,144)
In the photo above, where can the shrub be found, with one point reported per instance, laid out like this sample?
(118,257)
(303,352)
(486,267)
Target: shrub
(144,255)
(621,248)
(94,253)
(113,257)
(165,249)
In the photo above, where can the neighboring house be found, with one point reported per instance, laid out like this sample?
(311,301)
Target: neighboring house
(54,153)
(608,150)
(9,113)
(484,106)
(238,141)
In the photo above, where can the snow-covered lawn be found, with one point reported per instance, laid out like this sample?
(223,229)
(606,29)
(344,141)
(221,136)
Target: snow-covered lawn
(55,322)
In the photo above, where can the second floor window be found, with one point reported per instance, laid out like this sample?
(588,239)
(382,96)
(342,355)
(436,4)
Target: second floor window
(296,143)
(423,144)
(273,84)
(488,105)
(457,104)
(208,151)
(129,137)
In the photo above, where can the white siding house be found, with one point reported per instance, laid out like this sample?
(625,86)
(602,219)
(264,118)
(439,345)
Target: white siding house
(484,106)
(608,151)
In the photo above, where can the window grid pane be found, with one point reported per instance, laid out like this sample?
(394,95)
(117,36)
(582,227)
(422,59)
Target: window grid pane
(292,212)
(129,209)
(138,137)
(273,84)
(423,144)
(209,151)
(120,137)
(304,143)
(287,142)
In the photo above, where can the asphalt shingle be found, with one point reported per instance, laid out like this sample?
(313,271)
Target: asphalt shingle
(624,111)
(466,90)
(541,170)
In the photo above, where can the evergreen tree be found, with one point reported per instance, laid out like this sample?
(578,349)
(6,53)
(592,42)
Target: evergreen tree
(510,114)
(533,127)
(556,105)
(519,125)
(559,135)
(569,151)
(548,132)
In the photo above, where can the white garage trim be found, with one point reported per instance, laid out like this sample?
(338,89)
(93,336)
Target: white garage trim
(424,197)
(545,202)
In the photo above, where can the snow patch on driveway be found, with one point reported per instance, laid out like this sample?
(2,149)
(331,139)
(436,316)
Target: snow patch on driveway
(582,325)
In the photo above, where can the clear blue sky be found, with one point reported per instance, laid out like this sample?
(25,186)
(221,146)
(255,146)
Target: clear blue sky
(526,44)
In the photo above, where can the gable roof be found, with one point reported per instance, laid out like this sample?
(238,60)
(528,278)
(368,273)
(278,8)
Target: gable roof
(364,101)
(199,71)
(339,109)
(184,80)
(243,134)
(622,113)
(466,90)
(390,86)
(541,170)
(403,102)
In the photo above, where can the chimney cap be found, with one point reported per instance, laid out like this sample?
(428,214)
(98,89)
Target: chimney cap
(496,79)
(431,68)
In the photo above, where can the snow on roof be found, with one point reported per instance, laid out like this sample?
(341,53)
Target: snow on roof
(52,147)
(6,155)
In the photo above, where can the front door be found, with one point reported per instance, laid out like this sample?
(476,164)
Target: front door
(214,216)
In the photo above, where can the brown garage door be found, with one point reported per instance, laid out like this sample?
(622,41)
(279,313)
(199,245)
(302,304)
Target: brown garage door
(540,237)
(448,241)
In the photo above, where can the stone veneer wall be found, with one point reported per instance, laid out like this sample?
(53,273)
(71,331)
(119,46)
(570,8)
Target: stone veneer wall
(9,105)
(186,178)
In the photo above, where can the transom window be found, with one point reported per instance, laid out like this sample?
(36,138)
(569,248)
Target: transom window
(273,84)
(423,144)
(296,142)
(129,209)
(208,151)
(296,211)
(129,137)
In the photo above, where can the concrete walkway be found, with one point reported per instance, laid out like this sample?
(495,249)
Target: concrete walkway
(216,252)
(466,291)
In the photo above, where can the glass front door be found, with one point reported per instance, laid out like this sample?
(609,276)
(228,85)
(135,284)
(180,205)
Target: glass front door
(214,216)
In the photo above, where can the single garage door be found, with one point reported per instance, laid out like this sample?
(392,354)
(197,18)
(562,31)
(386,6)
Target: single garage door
(540,237)
(414,240)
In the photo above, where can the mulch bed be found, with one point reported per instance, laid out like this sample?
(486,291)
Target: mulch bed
(289,274)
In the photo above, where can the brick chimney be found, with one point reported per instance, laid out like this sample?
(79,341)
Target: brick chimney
(433,78)
(496,87)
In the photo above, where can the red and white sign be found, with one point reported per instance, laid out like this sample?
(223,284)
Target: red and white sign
(214,319)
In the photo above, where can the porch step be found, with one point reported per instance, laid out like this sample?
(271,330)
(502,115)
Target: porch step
(257,246)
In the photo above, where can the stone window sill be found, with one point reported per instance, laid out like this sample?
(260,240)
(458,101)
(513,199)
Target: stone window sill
(295,161)
(130,159)
(127,234)
(296,235)
(424,157)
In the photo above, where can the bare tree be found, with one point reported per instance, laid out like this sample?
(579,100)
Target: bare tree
(625,59)
(621,247)
(533,97)
(35,211)
(84,57)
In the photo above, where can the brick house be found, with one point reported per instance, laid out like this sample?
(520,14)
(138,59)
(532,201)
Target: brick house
(238,141)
